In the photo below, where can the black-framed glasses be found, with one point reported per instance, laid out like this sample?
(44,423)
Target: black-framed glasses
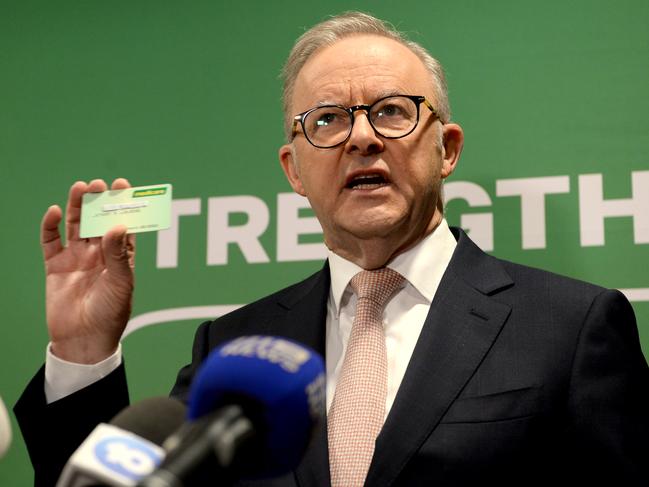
(391,117)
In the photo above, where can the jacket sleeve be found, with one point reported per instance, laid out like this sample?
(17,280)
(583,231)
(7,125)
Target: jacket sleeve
(53,431)
(609,395)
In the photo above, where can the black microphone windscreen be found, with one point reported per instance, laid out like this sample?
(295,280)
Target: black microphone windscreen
(153,419)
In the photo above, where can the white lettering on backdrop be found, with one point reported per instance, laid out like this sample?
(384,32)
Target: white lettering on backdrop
(295,219)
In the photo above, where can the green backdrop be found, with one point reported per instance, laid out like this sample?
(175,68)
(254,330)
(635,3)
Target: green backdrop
(552,96)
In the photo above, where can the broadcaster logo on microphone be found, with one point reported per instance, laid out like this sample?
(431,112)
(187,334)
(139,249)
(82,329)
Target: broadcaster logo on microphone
(127,456)
(288,355)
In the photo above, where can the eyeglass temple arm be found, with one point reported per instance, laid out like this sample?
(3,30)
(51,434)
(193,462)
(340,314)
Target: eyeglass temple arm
(296,121)
(430,107)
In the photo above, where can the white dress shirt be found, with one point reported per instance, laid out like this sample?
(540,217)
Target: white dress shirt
(423,267)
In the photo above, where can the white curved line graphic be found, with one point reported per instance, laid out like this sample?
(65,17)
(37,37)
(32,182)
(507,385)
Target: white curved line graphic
(178,314)
(210,312)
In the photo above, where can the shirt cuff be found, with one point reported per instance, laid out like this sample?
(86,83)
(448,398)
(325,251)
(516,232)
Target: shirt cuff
(62,378)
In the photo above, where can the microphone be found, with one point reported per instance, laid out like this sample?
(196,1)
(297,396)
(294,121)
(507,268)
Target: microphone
(5,429)
(252,408)
(127,449)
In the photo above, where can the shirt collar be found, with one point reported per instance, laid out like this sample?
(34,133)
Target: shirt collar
(423,265)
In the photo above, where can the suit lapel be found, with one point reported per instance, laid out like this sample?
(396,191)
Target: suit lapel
(306,311)
(305,322)
(462,324)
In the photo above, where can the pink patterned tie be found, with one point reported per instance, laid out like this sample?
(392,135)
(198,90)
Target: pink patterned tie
(358,408)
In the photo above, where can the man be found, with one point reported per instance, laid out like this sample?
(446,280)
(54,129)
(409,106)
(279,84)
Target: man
(483,370)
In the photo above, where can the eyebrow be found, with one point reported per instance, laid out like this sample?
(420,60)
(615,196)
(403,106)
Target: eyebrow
(386,93)
(324,103)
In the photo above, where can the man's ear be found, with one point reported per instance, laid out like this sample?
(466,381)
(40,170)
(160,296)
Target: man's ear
(289,165)
(453,140)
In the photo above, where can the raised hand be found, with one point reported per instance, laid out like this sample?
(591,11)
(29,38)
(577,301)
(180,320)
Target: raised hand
(89,282)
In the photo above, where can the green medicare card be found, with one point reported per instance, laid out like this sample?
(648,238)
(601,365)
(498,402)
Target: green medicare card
(141,209)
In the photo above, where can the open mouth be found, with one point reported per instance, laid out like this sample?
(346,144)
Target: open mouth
(367,181)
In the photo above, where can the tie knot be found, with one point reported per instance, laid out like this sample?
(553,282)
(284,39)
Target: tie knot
(377,285)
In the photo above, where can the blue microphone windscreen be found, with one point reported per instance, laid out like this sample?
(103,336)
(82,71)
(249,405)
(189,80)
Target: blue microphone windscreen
(285,381)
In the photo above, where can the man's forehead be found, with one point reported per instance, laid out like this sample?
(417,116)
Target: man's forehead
(332,97)
(360,65)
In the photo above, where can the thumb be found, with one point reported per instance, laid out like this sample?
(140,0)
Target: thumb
(115,251)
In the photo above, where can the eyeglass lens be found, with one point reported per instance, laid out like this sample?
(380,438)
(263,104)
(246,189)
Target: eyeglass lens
(391,117)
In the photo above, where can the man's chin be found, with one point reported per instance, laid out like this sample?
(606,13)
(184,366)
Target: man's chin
(372,228)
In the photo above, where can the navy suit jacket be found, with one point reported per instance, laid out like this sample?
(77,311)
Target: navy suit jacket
(519,376)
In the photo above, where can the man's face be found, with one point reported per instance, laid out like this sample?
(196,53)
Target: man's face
(402,208)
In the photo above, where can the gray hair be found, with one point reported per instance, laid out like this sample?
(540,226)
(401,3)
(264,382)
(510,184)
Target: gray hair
(349,24)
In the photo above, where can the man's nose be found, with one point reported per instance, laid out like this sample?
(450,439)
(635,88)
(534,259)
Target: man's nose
(363,138)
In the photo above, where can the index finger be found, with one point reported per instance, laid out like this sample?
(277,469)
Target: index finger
(73,208)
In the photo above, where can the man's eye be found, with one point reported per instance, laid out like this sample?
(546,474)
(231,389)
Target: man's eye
(390,111)
(325,119)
